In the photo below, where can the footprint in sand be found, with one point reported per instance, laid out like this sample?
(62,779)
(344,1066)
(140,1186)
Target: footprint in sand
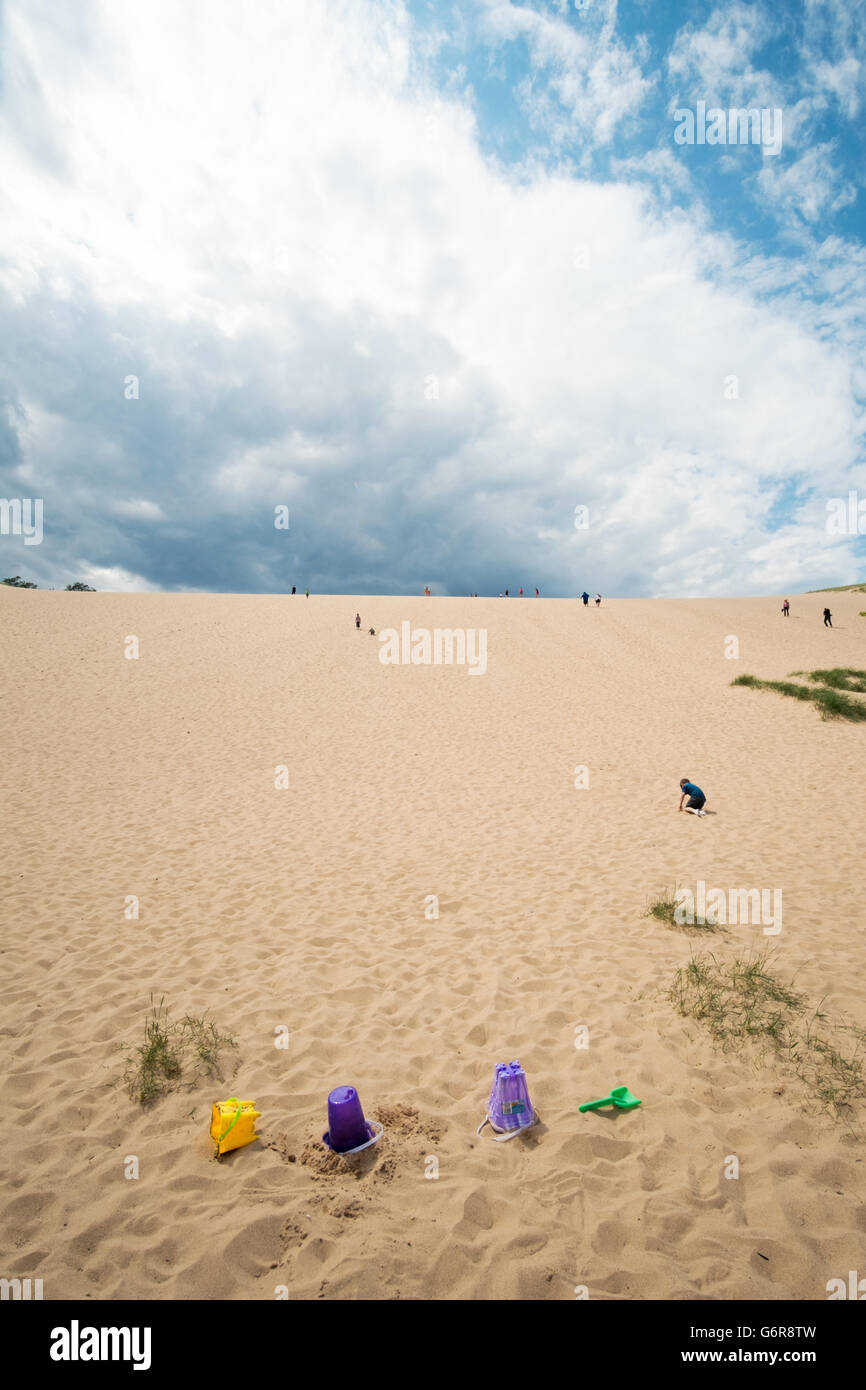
(527,1243)
(611,1237)
(476,1213)
(584,1148)
(24,1213)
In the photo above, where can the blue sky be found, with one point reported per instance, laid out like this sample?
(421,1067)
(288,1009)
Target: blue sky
(431,276)
(803,59)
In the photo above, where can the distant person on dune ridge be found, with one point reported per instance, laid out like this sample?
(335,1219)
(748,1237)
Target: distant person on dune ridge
(358,621)
(696,797)
(827,618)
(786,608)
(598,600)
(585,597)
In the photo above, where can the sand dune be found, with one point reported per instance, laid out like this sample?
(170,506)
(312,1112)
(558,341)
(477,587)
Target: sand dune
(305,908)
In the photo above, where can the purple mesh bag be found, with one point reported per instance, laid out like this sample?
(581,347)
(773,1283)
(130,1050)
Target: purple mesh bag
(509,1108)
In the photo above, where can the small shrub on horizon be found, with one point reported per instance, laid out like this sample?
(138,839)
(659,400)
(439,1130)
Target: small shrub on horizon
(840,589)
(16,582)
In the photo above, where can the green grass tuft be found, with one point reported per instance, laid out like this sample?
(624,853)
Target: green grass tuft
(664,906)
(831,701)
(838,678)
(742,1000)
(173,1054)
(834,705)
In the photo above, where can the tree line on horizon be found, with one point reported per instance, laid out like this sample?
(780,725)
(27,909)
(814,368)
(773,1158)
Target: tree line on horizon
(16,582)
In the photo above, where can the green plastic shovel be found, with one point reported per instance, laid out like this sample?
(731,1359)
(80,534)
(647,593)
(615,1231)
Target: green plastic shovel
(620,1096)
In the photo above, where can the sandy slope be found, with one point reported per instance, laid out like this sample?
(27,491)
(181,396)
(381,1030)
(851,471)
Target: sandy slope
(305,908)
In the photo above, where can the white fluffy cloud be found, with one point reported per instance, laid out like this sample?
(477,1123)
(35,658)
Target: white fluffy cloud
(591,81)
(332,300)
(810,187)
(713,60)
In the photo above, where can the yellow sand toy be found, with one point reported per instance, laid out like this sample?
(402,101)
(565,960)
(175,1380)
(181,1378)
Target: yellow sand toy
(233,1124)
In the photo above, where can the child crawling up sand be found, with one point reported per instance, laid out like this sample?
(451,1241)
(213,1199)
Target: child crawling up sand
(696,797)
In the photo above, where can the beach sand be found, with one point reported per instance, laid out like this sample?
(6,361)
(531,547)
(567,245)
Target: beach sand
(303,908)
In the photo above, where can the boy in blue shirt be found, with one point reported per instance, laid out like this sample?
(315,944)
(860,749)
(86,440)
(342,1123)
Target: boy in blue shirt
(696,797)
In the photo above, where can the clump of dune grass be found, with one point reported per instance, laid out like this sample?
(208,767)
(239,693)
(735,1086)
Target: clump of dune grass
(742,1000)
(663,907)
(832,703)
(158,1061)
(173,1054)
(834,1076)
(840,589)
(206,1043)
(735,999)
(838,678)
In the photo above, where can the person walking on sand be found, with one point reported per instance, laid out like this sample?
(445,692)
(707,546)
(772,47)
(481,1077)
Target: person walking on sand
(307,593)
(827,618)
(786,608)
(293,588)
(695,795)
(585,597)
(536,593)
(358,621)
(598,600)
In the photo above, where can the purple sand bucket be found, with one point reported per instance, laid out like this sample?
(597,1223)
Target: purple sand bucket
(509,1107)
(348,1131)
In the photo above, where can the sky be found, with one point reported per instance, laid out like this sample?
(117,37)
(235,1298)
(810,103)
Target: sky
(364,295)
